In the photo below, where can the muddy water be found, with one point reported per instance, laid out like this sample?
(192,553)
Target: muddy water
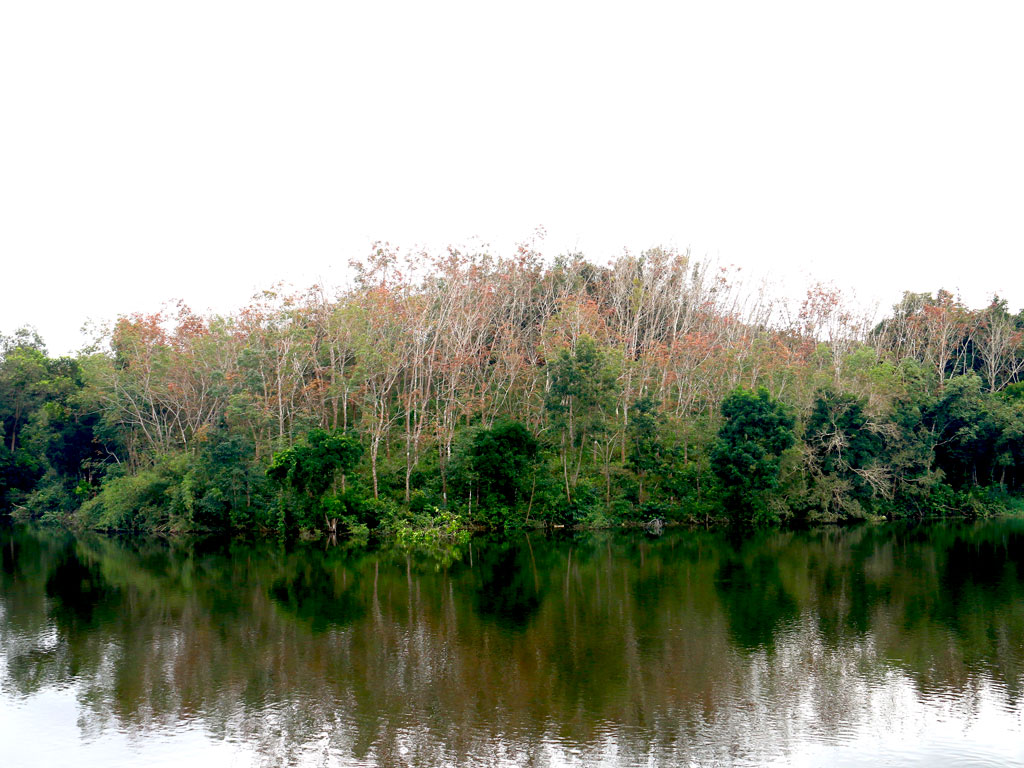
(872,645)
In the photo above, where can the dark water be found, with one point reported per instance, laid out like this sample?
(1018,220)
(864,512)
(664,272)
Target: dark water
(876,645)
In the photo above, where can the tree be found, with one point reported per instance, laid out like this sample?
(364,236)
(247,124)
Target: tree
(648,455)
(999,344)
(503,461)
(756,430)
(967,423)
(25,385)
(580,397)
(310,468)
(23,372)
(845,448)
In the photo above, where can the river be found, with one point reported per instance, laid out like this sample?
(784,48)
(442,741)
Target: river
(873,645)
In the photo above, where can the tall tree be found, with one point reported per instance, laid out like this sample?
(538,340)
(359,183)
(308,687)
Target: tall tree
(755,431)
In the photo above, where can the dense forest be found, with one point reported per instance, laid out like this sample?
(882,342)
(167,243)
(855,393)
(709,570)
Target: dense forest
(444,390)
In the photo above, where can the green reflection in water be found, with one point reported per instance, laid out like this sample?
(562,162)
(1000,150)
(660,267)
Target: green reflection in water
(688,647)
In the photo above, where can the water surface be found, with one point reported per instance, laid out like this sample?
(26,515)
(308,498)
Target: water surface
(887,645)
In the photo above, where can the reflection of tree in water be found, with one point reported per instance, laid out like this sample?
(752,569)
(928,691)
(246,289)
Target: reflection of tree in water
(314,595)
(53,599)
(9,553)
(756,602)
(507,588)
(837,564)
(940,601)
(979,597)
(616,640)
(77,590)
(986,564)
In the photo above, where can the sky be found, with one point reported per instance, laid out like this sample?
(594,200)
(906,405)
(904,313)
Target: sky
(204,150)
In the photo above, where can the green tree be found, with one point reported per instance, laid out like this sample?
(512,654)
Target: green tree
(504,462)
(756,430)
(225,486)
(580,399)
(966,422)
(648,455)
(24,387)
(23,371)
(309,469)
(845,450)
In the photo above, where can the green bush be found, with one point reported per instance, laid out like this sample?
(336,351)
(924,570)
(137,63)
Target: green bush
(142,501)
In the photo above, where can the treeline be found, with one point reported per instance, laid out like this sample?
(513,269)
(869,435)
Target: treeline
(506,391)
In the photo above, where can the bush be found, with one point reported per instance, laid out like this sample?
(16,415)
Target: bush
(440,526)
(142,501)
(586,504)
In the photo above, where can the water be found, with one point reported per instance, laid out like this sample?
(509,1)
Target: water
(885,645)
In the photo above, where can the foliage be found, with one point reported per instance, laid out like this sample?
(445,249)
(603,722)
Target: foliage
(438,527)
(579,401)
(517,391)
(846,451)
(139,501)
(306,471)
(502,465)
(756,430)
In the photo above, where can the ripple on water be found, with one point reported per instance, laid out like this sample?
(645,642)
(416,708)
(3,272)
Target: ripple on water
(708,653)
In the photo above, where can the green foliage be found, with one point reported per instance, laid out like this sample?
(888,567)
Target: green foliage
(649,456)
(839,434)
(47,431)
(224,488)
(585,505)
(747,457)
(980,436)
(608,392)
(503,462)
(1014,393)
(425,529)
(140,501)
(845,450)
(579,402)
(306,472)
(583,383)
(311,467)
(220,488)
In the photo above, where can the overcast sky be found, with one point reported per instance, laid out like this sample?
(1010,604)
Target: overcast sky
(203,150)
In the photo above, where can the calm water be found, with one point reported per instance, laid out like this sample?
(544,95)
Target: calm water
(876,645)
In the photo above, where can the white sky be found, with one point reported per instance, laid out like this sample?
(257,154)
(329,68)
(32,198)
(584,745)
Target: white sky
(205,149)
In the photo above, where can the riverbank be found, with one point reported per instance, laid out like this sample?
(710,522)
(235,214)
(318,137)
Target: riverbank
(438,527)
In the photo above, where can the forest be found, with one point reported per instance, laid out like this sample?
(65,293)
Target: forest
(445,391)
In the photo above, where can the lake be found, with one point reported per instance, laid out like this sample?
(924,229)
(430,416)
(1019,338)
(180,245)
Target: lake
(882,645)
